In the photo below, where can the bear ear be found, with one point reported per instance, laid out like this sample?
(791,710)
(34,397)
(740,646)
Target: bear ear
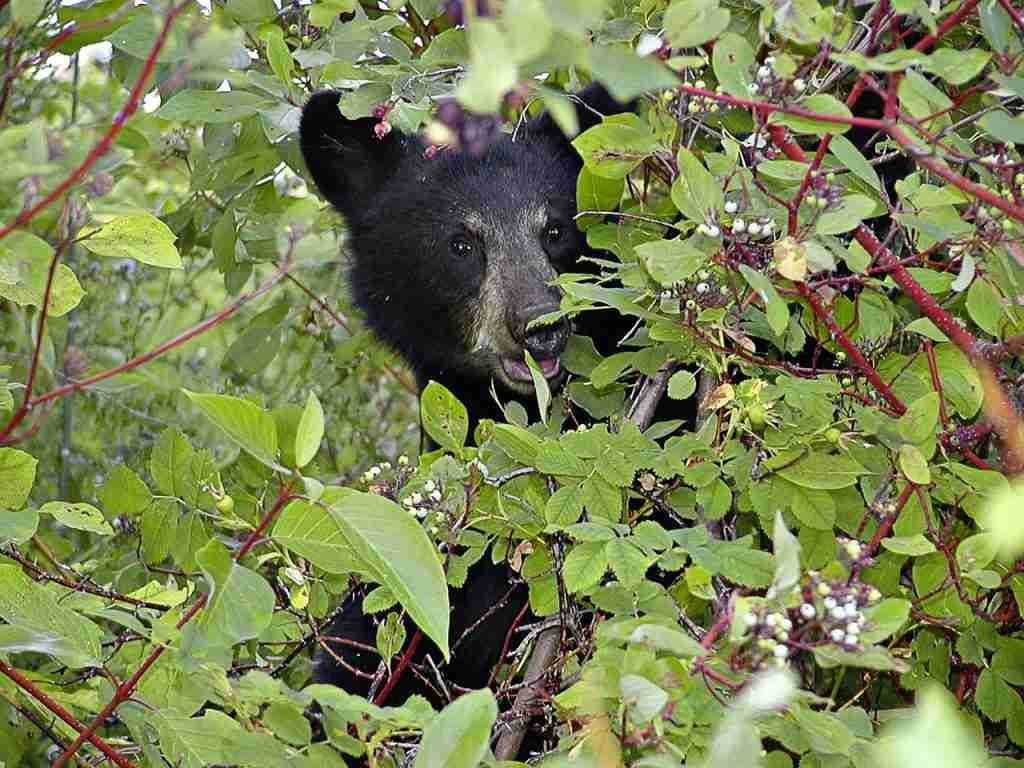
(592,104)
(345,158)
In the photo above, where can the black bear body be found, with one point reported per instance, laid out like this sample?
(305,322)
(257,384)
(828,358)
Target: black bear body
(452,252)
(452,255)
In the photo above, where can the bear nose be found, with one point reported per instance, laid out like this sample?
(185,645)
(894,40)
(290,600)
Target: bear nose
(545,341)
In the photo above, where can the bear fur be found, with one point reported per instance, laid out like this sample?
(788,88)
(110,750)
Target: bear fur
(452,257)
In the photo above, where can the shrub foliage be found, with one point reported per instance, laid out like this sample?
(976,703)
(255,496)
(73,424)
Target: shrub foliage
(193,461)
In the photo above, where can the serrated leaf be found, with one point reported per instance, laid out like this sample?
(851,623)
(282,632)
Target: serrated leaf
(823,471)
(309,432)
(564,507)
(584,566)
(248,425)
(123,493)
(643,699)
(745,566)
(139,236)
(825,732)
(994,697)
(627,561)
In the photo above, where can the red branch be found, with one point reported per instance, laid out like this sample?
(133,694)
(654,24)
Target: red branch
(399,669)
(1014,14)
(101,147)
(767,107)
(125,689)
(30,688)
(135,362)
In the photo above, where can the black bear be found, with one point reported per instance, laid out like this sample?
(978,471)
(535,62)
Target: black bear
(452,258)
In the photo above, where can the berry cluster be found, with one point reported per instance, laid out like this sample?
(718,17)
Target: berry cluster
(829,612)
(703,290)
(760,227)
(767,83)
(456,128)
(825,193)
(392,481)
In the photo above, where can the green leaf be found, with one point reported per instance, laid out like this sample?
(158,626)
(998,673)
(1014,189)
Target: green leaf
(667,639)
(823,471)
(732,60)
(822,104)
(18,525)
(682,385)
(994,697)
(460,734)
(696,192)
(248,425)
(280,58)
(212,106)
(914,465)
(241,603)
(885,619)
(80,516)
(956,66)
(1002,127)
(444,418)
(627,75)
(170,464)
(614,147)
(787,557)
(1008,661)
(309,530)
(584,566)
(628,562)
(745,566)
(921,419)
(310,431)
(17,474)
(564,507)
(689,23)
(43,624)
(597,193)
(851,211)
(985,306)
(399,555)
(670,261)
(977,551)
(643,699)
(25,12)
(850,156)
(540,387)
(492,68)
(824,731)
(139,236)
(777,312)
(871,657)
(24,267)
(123,493)
(914,546)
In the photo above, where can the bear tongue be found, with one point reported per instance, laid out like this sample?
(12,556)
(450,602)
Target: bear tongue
(517,369)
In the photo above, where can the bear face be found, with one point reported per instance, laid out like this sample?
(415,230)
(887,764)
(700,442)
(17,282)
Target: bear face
(453,254)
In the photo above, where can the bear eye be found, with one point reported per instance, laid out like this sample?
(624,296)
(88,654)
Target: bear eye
(553,233)
(460,245)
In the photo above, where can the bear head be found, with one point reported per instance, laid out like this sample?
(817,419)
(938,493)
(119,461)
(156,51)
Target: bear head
(454,254)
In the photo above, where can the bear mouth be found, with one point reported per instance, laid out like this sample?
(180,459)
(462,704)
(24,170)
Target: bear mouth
(517,372)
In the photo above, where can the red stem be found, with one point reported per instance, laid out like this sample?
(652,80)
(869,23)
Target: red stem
(29,687)
(766,108)
(125,689)
(839,337)
(135,362)
(116,125)
(1014,14)
(399,669)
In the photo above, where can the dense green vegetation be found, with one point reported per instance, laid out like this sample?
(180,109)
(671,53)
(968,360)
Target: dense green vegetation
(193,461)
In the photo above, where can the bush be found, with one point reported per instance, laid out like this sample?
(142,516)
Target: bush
(815,218)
